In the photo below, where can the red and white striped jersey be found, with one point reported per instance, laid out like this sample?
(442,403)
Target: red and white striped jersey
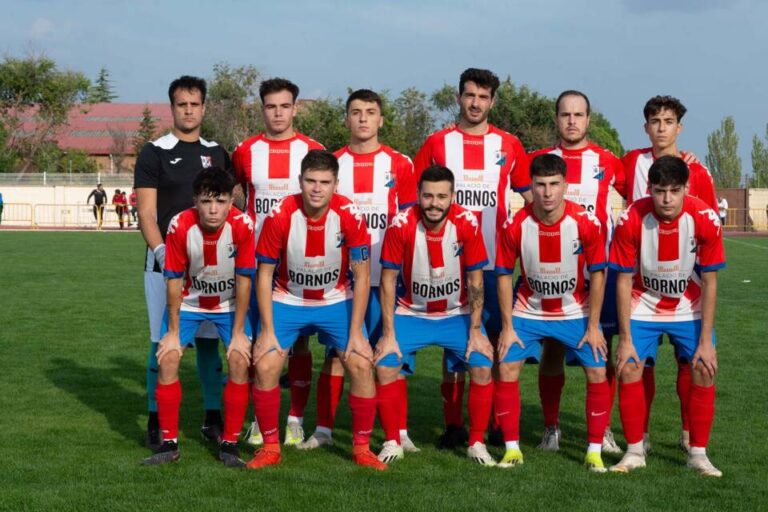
(590,172)
(269,170)
(554,261)
(380,183)
(485,167)
(636,164)
(312,256)
(667,257)
(433,265)
(208,262)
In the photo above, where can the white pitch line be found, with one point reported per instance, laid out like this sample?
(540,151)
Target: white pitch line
(763,247)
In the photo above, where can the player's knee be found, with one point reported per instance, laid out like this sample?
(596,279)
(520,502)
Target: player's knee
(595,375)
(238,367)
(510,372)
(358,367)
(387,374)
(480,374)
(701,377)
(631,373)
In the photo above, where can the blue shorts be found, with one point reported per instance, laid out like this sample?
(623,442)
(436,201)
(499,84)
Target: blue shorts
(568,332)
(330,322)
(189,323)
(683,335)
(414,333)
(372,321)
(609,319)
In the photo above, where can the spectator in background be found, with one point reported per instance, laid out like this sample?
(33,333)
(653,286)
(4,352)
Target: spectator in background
(722,209)
(124,202)
(134,210)
(99,201)
(117,201)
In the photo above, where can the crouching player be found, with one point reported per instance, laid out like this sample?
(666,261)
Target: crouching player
(437,247)
(667,249)
(313,239)
(557,243)
(209,263)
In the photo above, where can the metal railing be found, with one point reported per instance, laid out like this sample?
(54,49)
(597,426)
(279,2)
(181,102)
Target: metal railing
(37,179)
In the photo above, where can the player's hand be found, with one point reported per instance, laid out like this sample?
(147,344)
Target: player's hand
(168,344)
(706,357)
(624,352)
(387,345)
(478,342)
(358,344)
(239,344)
(690,158)
(507,338)
(595,339)
(266,342)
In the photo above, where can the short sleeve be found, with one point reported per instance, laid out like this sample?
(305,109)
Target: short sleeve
(506,250)
(710,253)
(356,235)
(624,248)
(392,249)
(270,243)
(519,172)
(406,184)
(176,257)
(593,242)
(475,254)
(146,173)
(245,261)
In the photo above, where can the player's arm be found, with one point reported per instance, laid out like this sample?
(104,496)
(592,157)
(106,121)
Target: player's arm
(171,341)
(361,272)
(266,341)
(90,196)
(706,355)
(387,343)
(477,340)
(625,349)
(239,343)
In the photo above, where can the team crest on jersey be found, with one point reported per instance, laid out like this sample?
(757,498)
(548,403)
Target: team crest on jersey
(598,173)
(458,248)
(389,179)
(231,250)
(501,157)
(339,239)
(207,161)
(577,247)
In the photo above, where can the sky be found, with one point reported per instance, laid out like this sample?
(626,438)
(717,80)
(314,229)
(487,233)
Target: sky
(709,53)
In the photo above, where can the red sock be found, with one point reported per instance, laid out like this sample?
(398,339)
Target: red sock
(598,410)
(684,392)
(300,377)
(701,412)
(479,405)
(403,403)
(388,396)
(329,390)
(453,402)
(632,410)
(168,398)
(550,389)
(649,386)
(610,374)
(266,405)
(363,417)
(235,405)
(506,402)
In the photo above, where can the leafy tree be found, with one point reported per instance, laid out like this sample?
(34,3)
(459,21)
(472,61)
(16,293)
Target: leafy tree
(413,118)
(323,120)
(759,162)
(101,90)
(8,157)
(34,89)
(146,132)
(119,148)
(444,101)
(723,155)
(232,108)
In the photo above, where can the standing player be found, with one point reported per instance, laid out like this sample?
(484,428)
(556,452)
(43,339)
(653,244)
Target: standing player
(591,172)
(557,243)
(313,240)
(268,167)
(663,116)
(209,264)
(381,182)
(99,201)
(667,249)
(437,249)
(165,170)
(486,163)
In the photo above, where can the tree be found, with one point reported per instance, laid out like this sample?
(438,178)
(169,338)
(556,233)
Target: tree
(101,90)
(146,132)
(35,99)
(759,177)
(119,148)
(323,120)
(412,121)
(232,106)
(723,155)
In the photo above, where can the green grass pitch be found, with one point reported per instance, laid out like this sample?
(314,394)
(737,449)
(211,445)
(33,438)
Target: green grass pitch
(73,342)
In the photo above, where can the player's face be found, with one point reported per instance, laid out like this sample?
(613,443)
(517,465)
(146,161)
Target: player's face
(475,103)
(188,110)
(572,119)
(548,192)
(435,198)
(663,128)
(668,200)
(213,210)
(317,188)
(363,120)
(278,111)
